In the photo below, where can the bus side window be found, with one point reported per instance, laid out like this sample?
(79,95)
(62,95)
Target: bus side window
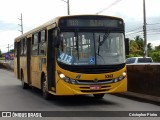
(22,46)
(35,44)
(42,44)
(25,46)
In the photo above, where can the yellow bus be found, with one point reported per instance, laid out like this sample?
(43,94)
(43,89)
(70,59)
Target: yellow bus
(73,55)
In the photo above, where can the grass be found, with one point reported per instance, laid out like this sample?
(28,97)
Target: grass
(1,58)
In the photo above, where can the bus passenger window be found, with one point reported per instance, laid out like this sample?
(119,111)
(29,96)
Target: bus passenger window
(35,44)
(22,46)
(25,46)
(42,44)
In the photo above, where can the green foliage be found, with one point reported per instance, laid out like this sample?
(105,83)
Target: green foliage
(1,58)
(157,48)
(136,49)
(156,56)
(12,51)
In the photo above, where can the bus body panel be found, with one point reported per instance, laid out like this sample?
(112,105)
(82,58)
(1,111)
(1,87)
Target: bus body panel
(23,67)
(64,88)
(35,72)
(15,67)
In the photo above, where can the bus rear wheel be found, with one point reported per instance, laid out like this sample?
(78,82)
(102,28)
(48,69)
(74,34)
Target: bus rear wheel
(45,93)
(24,85)
(98,96)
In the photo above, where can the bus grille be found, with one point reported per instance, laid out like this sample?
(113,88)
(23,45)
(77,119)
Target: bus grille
(95,90)
(101,87)
(93,82)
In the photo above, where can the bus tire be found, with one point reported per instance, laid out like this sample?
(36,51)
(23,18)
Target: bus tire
(98,96)
(24,85)
(45,93)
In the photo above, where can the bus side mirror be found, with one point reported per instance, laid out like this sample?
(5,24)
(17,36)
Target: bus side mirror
(127,46)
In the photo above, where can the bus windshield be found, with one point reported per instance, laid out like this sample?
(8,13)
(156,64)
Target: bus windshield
(91,48)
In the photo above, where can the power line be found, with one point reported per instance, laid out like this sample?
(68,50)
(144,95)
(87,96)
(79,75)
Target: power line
(114,3)
(154,24)
(135,29)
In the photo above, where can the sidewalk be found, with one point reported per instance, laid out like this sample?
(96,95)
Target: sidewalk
(7,64)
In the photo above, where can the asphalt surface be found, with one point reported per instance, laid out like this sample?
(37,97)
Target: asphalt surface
(14,98)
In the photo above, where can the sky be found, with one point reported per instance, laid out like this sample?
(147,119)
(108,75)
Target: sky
(37,12)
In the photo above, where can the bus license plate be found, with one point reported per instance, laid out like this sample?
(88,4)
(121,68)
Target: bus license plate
(95,87)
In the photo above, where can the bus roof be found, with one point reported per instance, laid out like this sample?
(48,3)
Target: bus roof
(55,22)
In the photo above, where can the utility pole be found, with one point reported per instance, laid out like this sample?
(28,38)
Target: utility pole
(8,48)
(21,24)
(144,29)
(7,56)
(68,6)
(8,51)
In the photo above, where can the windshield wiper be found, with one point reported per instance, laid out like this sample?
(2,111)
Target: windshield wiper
(100,43)
(77,49)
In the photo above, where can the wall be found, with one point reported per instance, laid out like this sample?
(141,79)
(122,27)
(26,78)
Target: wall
(144,79)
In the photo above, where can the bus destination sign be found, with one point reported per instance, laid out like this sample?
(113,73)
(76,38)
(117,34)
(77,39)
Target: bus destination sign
(91,23)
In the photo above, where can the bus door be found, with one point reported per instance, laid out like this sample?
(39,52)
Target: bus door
(18,59)
(29,60)
(51,61)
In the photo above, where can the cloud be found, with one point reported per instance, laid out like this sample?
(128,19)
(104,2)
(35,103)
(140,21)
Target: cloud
(7,37)
(8,26)
(37,12)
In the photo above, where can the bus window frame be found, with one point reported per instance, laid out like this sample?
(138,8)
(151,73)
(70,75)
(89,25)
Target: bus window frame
(21,47)
(35,52)
(42,42)
(25,46)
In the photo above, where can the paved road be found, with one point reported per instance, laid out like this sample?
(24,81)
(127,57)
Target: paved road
(14,98)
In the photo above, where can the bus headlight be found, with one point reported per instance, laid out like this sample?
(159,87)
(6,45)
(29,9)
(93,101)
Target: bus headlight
(116,80)
(67,79)
(62,76)
(121,77)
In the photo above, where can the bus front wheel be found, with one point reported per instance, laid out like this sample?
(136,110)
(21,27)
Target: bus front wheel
(45,93)
(98,96)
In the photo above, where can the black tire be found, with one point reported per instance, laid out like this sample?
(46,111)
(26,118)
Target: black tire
(45,93)
(24,85)
(98,96)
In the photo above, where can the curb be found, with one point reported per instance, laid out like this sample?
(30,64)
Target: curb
(142,96)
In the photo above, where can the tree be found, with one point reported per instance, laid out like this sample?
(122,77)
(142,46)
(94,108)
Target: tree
(157,48)
(133,48)
(155,54)
(11,51)
(140,43)
(136,47)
